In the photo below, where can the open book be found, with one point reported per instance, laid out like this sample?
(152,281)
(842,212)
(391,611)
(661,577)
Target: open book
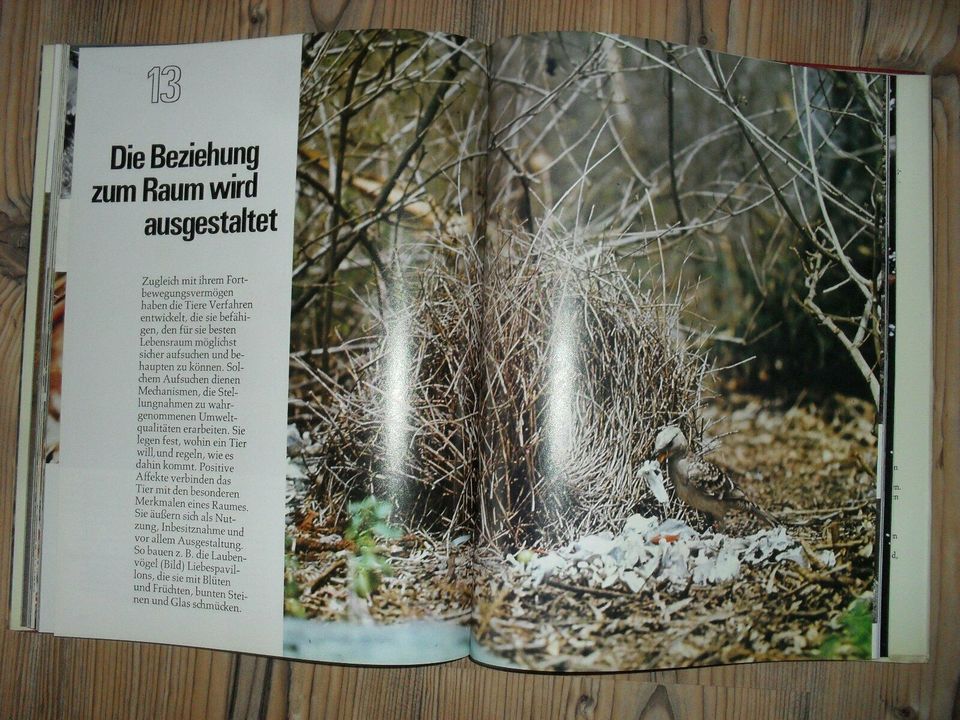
(573,352)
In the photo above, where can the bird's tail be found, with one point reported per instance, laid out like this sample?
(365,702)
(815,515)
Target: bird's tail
(760,513)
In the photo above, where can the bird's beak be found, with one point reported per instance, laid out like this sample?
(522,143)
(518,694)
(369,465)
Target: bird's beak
(661,457)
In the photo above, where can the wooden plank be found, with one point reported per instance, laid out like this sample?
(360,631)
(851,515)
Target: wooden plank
(20,28)
(45,677)
(941,679)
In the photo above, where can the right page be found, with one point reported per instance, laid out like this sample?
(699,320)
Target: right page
(687,354)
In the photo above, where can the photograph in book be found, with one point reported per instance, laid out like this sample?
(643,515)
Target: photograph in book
(384,362)
(683,347)
(51,439)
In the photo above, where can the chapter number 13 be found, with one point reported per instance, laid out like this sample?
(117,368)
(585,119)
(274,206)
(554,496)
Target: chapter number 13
(164,84)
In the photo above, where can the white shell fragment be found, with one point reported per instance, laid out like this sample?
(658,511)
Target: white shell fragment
(591,546)
(668,555)
(543,567)
(652,475)
(827,558)
(640,524)
(296,470)
(294,441)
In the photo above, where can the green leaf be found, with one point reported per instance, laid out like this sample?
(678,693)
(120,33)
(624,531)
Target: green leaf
(293,607)
(386,531)
(856,631)
(368,525)
(291,589)
(362,583)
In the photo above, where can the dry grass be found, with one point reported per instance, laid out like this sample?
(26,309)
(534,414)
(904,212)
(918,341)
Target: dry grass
(582,370)
(417,386)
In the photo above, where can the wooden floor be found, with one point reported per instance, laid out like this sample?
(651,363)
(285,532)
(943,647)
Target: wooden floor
(63,678)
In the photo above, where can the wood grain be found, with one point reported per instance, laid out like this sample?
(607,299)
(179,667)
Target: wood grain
(43,677)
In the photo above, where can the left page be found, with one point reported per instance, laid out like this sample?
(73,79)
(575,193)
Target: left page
(382,420)
(269,247)
(174,383)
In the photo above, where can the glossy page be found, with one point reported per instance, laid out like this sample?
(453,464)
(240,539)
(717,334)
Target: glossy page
(384,362)
(684,344)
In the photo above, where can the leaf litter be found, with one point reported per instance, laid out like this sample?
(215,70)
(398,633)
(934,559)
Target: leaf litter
(673,592)
(661,592)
